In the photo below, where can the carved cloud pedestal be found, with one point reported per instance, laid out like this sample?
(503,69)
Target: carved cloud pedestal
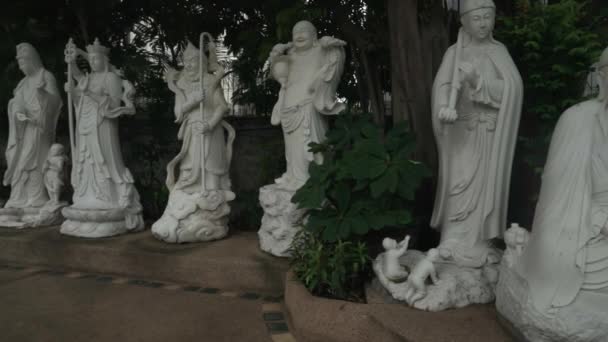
(281,221)
(194,217)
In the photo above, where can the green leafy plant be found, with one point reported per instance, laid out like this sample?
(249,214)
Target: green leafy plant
(336,270)
(364,183)
(554,47)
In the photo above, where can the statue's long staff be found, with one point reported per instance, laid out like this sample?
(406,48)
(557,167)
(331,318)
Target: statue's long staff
(71,47)
(455,77)
(202,106)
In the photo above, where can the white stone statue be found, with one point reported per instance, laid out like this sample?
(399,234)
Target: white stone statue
(32,118)
(198,177)
(106,202)
(477,100)
(557,289)
(416,281)
(309,71)
(391,267)
(516,238)
(54,172)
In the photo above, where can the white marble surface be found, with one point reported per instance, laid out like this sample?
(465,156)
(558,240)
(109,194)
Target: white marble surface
(32,118)
(106,202)
(477,101)
(455,286)
(281,221)
(309,71)
(554,287)
(194,217)
(198,177)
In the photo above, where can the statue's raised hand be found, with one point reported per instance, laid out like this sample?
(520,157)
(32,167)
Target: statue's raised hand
(280,49)
(70,53)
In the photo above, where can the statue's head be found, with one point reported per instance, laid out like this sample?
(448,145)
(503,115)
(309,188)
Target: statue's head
(477,18)
(432,254)
(56,150)
(28,59)
(304,35)
(602,68)
(98,56)
(389,243)
(191,59)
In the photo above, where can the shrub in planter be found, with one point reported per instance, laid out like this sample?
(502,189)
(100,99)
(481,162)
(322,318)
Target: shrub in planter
(365,184)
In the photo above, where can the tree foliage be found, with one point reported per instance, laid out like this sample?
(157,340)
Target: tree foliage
(554,48)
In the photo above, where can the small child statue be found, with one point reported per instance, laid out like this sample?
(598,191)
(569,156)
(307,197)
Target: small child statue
(416,280)
(391,267)
(54,172)
(516,239)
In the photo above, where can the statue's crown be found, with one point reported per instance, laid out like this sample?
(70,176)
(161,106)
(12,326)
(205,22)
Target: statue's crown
(467,6)
(96,47)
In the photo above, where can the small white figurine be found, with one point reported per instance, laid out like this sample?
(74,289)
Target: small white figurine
(391,267)
(516,238)
(417,279)
(54,172)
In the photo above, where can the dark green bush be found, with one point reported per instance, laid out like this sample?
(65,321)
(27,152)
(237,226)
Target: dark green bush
(554,47)
(365,184)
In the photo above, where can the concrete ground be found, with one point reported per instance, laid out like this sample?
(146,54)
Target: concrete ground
(136,288)
(48,305)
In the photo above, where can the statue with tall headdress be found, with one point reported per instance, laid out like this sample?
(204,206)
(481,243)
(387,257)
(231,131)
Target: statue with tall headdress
(32,117)
(556,288)
(106,202)
(198,177)
(476,107)
(309,70)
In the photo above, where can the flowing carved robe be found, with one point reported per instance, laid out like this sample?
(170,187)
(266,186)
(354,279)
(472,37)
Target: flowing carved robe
(29,141)
(567,252)
(476,152)
(300,111)
(100,178)
(218,151)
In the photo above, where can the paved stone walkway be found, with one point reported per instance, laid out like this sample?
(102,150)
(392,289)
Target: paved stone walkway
(40,304)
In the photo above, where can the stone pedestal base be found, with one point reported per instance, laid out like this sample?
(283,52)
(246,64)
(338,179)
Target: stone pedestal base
(457,287)
(281,220)
(194,217)
(90,223)
(585,320)
(19,218)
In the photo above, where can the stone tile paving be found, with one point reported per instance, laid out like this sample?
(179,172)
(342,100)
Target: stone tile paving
(272,310)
